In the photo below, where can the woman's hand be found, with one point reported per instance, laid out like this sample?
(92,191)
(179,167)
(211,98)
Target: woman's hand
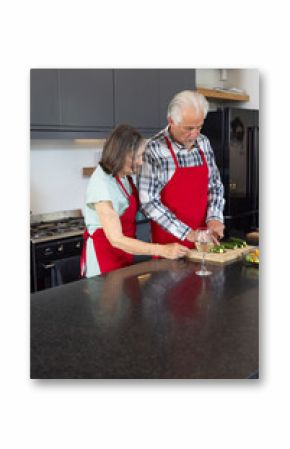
(112,227)
(173,251)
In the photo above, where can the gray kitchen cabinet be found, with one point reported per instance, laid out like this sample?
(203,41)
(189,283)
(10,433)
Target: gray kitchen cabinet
(86,98)
(137,97)
(44,98)
(171,82)
(142,95)
(69,103)
(143,232)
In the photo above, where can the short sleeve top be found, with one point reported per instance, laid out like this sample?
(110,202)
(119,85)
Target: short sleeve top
(104,187)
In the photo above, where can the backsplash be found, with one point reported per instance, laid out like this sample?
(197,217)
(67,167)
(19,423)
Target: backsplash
(56,180)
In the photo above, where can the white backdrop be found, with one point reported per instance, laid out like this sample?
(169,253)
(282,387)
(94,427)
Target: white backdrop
(89,414)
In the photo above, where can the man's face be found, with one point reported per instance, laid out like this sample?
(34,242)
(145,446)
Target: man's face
(187,131)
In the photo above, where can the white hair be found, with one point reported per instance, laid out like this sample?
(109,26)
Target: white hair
(186,99)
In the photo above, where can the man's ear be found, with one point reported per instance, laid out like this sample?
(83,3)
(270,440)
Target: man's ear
(170,121)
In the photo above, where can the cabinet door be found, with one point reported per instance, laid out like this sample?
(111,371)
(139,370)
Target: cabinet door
(137,97)
(86,98)
(142,95)
(173,81)
(44,98)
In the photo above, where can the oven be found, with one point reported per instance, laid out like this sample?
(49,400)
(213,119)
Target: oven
(55,249)
(55,263)
(56,241)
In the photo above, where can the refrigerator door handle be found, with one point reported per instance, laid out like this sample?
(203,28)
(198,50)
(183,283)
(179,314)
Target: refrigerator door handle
(256,167)
(249,162)
(253,170)
(252,165)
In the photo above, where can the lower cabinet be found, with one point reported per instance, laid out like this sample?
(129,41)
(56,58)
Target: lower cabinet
(143,233)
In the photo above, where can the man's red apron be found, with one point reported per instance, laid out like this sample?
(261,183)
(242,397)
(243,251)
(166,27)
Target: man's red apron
(186,195)
(110,258)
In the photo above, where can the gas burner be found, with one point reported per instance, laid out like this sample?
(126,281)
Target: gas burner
(61,227)
(40,234)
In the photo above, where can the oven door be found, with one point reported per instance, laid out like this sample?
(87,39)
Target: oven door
(55,263)
(58,272)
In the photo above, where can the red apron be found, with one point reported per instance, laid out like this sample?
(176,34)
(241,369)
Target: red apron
(186,195)
(110,258)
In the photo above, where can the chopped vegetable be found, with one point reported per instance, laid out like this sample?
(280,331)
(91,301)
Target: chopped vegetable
(218,249)
(229,245)
(241,243)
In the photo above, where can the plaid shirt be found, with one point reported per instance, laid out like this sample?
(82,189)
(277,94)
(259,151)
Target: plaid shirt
(157,170)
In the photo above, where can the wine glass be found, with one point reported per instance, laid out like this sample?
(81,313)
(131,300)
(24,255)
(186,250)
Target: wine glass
(203,242)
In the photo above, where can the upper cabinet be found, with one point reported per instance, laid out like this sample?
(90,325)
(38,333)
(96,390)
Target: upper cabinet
(70,103)
(86,98)
(137,97)
(173,81)
(44,98)
(142,95)
(91,102)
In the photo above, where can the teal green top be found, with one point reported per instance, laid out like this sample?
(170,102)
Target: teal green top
(102,187)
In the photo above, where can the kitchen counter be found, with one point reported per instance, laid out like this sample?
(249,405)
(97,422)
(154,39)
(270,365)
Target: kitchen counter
(156,319)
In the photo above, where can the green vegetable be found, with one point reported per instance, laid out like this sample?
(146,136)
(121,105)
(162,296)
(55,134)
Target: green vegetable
(218,249)
(241,243)
(229,245)
(232,243)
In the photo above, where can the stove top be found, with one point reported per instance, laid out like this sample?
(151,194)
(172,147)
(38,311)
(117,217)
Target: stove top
(59,227)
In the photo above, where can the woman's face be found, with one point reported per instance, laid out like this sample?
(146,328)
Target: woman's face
(134,162)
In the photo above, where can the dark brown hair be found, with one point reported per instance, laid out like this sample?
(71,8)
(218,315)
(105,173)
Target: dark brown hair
(123,141)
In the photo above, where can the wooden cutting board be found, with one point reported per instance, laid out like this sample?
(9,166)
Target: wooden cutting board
(231,255)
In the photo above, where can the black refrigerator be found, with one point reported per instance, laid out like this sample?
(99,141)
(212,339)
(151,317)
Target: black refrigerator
(234,137)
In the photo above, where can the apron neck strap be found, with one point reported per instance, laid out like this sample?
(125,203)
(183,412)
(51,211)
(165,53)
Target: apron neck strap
(122,187)
(168,143)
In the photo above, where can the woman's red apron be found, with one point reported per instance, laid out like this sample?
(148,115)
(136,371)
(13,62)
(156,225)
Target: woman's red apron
(186,195)
(110,258)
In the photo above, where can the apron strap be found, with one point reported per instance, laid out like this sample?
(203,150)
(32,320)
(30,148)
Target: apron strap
(174,155)
(168,143)
(122,187)
(202,155)
(131,182)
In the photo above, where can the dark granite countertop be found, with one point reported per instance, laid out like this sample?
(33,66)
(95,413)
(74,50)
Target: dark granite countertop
(156,319)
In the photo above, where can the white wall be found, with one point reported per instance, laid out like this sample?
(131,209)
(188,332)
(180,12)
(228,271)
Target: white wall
(246,79)
(56,180)
(209,78)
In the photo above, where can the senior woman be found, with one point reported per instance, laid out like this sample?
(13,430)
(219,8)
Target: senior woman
(111,206)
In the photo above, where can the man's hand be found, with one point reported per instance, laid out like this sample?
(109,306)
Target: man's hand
(217,229)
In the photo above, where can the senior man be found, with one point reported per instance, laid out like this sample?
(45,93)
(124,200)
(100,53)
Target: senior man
(179,183)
